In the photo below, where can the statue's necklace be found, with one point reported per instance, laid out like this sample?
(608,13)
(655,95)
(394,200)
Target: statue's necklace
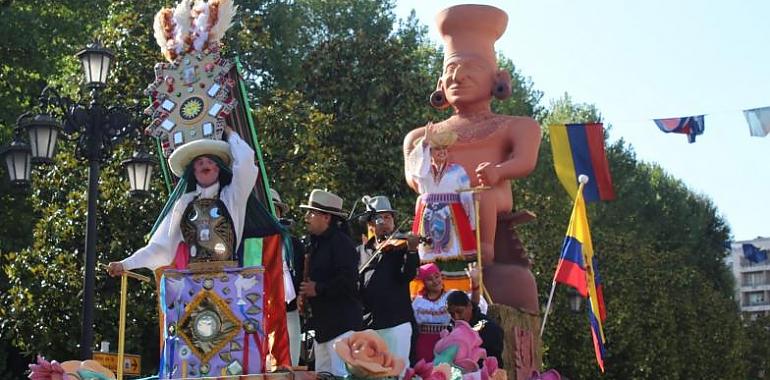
(474,127)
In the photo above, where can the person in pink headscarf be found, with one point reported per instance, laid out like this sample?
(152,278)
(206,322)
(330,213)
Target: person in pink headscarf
(430,307)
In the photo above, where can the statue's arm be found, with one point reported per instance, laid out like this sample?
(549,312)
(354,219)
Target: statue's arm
(524,136)
(410,166)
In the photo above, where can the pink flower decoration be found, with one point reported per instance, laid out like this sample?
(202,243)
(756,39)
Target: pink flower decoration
(366,355)
(45,370)
(422,369)
(468,345)
(490,365)
(441,372)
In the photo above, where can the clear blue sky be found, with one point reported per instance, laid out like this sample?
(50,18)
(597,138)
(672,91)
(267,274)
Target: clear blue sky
(643,60)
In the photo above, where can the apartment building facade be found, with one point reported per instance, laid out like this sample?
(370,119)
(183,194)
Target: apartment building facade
(752,279)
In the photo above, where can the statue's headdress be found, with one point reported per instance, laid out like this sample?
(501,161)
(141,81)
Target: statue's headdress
(471,30)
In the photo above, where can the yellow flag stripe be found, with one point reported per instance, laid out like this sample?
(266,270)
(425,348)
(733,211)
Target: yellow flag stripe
(562,158)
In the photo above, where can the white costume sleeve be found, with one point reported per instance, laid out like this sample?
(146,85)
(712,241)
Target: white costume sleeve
(245,172)
(466,197)
(158,252)
(419,158)
(288,286)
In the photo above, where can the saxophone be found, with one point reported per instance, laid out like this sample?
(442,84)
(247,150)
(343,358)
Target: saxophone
(302,305)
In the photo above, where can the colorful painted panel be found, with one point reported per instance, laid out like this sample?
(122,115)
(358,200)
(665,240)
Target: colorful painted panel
(214,323)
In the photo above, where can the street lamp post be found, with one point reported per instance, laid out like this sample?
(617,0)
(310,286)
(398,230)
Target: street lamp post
(575,300)
(95,128)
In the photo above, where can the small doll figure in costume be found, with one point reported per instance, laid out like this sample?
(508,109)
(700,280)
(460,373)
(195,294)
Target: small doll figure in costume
(442,212)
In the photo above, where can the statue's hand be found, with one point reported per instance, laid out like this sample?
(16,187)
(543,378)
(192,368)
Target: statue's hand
(487,174)
(115,268)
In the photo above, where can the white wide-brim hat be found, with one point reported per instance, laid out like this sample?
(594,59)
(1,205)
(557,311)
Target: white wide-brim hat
(326,202)
(278,203)
(183,155)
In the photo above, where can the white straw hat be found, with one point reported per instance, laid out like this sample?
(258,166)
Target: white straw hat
(326,202)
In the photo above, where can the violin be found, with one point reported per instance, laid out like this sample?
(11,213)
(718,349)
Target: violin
(399,240)
(395,242)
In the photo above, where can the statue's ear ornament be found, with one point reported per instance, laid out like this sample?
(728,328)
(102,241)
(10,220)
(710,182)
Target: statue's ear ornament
(502,89)
(438,99)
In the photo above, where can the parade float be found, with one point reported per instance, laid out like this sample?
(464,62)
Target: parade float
(222,311)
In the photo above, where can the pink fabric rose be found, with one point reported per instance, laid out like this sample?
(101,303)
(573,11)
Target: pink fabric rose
(442,371)
(366,355)
(490,366)
(45,370)
(422,369)
(468,345)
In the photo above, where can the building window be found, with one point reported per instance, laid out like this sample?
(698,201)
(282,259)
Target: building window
(754,279)
(756,298)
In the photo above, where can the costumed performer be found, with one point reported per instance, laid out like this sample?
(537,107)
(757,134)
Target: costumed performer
(330,287)
(384,279)
(209,206)
(430,307)
(461,308)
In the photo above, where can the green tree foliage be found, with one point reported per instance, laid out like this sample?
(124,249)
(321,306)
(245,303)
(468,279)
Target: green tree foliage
(758,351)
(335,87)
(37,37)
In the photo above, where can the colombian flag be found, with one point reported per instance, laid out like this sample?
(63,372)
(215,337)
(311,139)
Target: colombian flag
(578,268)
(579,149)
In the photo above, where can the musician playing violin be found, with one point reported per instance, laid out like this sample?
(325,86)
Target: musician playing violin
(388,265)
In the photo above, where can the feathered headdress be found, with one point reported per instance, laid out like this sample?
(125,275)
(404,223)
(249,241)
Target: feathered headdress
(192,26)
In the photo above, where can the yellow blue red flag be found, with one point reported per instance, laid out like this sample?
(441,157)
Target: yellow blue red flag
(579,149)
(578,268)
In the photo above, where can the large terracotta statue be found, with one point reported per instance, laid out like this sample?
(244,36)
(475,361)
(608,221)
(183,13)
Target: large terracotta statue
(493,149)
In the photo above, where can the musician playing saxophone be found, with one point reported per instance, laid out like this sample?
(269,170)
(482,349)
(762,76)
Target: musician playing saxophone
(331,287)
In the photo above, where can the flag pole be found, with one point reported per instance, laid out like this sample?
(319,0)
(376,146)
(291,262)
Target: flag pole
(122,324)
(475,191)
(548,306)
(583,179)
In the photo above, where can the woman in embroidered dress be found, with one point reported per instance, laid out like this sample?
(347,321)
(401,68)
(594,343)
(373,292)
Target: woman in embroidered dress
(430,307)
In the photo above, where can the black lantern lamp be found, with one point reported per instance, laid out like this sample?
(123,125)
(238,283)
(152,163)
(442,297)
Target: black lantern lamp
(17,160)
(575,300)
(96,61)
(95,128)
(43,132)
(139,168)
